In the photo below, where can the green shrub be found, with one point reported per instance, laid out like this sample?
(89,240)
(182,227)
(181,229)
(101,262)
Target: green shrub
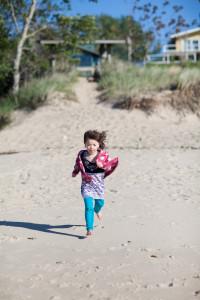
(6,77)
(6,107)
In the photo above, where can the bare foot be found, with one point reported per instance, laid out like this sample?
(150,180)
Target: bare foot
(89,232)
(99,216)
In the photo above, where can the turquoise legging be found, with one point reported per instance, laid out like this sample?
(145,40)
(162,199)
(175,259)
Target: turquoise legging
(90,208)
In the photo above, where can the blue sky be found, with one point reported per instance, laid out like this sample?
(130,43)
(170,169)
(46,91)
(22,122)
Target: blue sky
(117,8)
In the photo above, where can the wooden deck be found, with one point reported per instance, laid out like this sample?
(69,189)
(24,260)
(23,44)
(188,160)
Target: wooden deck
(174,56)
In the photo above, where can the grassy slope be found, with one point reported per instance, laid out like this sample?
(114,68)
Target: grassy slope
(125,85)
(35,93)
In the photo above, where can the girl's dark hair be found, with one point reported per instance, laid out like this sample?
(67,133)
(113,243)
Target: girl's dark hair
(100,137)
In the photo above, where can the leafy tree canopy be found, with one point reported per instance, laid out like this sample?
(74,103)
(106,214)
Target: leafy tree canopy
(123,28)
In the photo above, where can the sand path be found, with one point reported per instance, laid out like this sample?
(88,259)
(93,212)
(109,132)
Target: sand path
(148,245)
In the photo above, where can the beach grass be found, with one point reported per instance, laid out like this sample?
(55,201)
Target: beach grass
(34,93)
(129,86)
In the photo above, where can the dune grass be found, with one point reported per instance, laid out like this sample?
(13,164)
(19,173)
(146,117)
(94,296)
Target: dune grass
(189,78)
(188,93)
(127,86)
(35,93)
(128,80)
(6,107)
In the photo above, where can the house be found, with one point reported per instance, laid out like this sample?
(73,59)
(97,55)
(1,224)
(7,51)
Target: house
(183,46)
(87,56)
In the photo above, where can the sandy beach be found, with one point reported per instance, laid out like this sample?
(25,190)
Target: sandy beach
(147,247)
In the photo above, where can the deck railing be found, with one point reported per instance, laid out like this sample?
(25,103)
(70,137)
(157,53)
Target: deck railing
(169,47)
(187,48)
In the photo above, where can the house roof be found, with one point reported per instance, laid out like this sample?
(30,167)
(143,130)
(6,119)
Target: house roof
(85,49)
(183,33)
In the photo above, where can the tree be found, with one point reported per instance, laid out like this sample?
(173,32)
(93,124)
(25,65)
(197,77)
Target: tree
(5,60)
(123,28)
(76,30)
(132,29)
(26,18)
(20,18)
(108,27)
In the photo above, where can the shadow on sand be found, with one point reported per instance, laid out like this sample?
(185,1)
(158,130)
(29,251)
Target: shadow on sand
(42,227)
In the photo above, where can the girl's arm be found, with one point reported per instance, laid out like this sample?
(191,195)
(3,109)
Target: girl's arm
(102,160)
(76,167)
(75,171)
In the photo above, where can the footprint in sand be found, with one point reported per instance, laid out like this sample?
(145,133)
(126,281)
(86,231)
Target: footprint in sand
(37,277)
(11,239)
(55,298)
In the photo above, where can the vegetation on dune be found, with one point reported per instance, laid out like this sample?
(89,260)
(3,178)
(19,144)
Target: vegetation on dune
(124,80)
(35,92)
(130,87)
(188,93)
(26,63)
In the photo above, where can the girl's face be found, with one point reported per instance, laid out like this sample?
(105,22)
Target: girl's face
(92,146)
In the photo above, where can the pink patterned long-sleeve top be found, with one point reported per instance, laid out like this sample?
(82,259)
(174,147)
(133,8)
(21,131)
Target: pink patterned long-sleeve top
(93,176)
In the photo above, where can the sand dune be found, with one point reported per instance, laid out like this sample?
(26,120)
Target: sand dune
(146,248)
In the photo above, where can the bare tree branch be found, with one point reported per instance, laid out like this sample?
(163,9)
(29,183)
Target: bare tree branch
(13,16)
(35,32)
(20,46)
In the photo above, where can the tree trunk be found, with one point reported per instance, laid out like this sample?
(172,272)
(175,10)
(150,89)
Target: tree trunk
(17,63)
(129,43)
(20,45)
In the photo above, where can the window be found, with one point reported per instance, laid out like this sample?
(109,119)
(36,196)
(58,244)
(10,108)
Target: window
(195,44)
(192,45)
(188,47)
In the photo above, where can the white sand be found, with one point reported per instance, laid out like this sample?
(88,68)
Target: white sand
(148,244)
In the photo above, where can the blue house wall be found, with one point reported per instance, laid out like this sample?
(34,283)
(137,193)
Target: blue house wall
(87,59)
